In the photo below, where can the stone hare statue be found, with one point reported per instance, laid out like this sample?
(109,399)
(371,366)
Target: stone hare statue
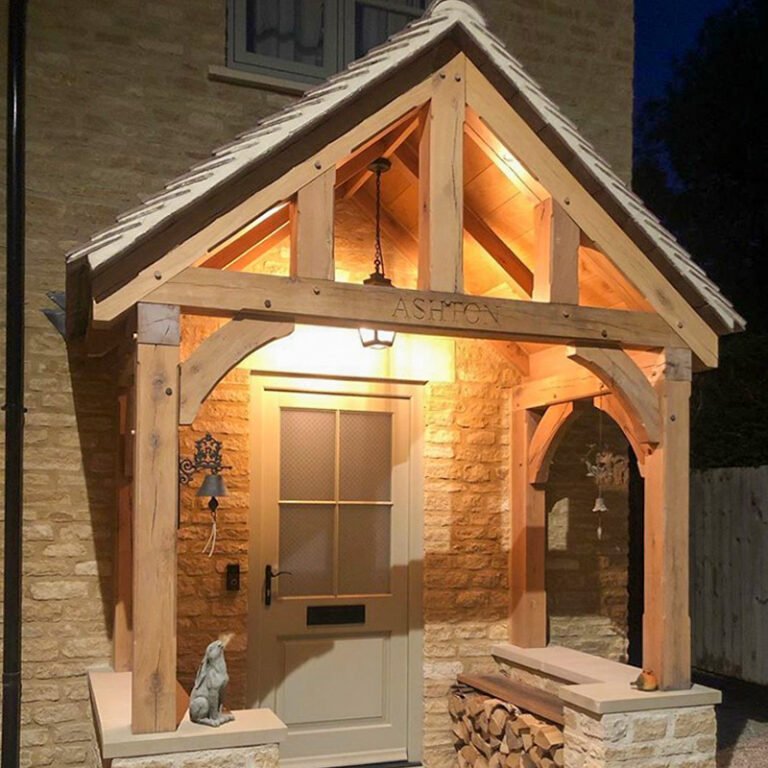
(206,699)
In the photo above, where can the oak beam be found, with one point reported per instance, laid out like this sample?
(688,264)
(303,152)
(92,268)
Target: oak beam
(545,439)
(156,498)
(666,621)
(527,557)
(312,229)
(556,271)
(218,355)
(441,183)
(323,302)
(628,383)
(551,390)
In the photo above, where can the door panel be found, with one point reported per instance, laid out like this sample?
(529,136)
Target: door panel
(333,511)
(357,666)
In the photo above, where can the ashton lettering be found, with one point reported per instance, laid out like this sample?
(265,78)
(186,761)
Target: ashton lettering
(440,310)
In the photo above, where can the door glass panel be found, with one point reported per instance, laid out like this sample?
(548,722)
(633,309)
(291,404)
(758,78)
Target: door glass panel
(306,549)
(365,443)
(364,549)
(307,450)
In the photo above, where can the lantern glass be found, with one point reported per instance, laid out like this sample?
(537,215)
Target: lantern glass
(376,338)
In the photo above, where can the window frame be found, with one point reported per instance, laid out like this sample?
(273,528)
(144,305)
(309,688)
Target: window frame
(338,41)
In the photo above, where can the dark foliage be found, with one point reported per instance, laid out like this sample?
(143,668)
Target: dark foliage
(729,407)
(702,165)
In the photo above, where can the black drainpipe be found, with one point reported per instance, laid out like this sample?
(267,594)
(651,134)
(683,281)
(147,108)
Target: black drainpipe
(14,385)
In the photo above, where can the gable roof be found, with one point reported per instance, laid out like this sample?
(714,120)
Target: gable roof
(461,23)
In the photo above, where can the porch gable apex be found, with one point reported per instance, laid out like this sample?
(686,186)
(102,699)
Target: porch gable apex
(167,222)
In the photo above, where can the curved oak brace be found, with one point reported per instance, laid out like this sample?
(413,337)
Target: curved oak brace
(613,407)
(549,432)
(218,355)
(628,383)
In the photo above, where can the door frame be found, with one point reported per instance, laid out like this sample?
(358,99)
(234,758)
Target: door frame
(413,393)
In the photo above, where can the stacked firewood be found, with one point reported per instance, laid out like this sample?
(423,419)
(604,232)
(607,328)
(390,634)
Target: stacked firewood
(491,733)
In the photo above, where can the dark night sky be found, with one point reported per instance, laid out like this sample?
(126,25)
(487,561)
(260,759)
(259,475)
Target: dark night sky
(665,30)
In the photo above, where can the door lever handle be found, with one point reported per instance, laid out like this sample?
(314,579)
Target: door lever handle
(269,574)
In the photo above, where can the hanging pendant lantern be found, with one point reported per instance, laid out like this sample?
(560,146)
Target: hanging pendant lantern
(377,338)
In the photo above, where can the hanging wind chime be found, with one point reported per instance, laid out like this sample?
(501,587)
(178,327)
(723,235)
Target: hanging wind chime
(378,338)
(599,468)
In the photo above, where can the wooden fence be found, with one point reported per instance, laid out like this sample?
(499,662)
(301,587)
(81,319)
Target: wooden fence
(729,572)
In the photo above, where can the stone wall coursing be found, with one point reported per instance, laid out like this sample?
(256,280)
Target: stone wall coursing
(466,530)
(118,103)
(240,757)
(664,738)
(583,56)
(205,608)
(586,574)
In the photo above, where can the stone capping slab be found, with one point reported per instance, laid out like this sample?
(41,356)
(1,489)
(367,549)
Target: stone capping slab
(111,700)
(598,685)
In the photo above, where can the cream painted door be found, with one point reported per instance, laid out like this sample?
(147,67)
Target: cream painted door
(332,653)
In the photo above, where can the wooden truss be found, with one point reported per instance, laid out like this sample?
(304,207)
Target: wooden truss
(635,365)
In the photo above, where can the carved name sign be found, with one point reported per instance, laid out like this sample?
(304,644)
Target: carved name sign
(445,310)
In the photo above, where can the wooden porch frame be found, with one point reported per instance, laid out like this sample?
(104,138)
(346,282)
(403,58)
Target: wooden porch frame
(665,464)
(652,411)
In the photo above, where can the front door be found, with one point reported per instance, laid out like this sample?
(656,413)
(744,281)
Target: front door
(331,657)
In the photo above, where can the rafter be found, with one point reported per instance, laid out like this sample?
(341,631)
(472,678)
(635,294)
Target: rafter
(403,238)
(280,235)
(393,140)
(224,254)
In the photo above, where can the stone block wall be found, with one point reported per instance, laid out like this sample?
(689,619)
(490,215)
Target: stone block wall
(118,103)
(239,757)
(664,738)
(466,530)
(205,608)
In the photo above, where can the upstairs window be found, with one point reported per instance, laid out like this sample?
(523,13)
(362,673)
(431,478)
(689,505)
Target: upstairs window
(308,40)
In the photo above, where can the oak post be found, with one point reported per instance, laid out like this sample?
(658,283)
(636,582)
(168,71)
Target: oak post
(312,229)
(666,621)
(556,275)
(156,495)
(441,183)
(528,598)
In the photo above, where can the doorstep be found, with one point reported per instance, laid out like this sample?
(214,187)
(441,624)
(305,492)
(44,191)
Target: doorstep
(111,700)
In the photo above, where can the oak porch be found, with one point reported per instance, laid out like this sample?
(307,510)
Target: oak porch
(634,363)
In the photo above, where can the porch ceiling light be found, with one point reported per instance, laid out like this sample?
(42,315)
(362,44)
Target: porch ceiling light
(375,338)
